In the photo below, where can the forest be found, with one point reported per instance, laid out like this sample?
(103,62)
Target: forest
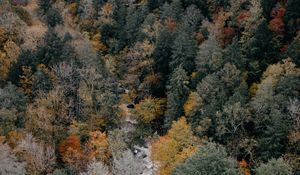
(149,87)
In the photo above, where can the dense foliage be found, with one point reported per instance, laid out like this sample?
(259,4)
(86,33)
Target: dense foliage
(166,87)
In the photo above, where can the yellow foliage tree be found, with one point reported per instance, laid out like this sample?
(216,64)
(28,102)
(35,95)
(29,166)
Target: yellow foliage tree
(48,115)
(190,103)
(8,55)
(26,81)
(174,148)
(149,109)
(97,43)
(106,14)
(98,146)
(253,89)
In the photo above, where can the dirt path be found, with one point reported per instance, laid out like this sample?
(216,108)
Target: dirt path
(143,153)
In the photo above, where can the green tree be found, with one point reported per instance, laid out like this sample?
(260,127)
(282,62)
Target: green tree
(177,93)
(117,28)
(173,10)
(12,98)
(44,5)
(209,56)
(292,15)
(162,56)
(51,52)
(191,18)
(267,7)
(269,105)
(135,17)
(210,159)
(25,59)
(260,51)
(183,52)
(233,54)
(230,122)
(153,4)
(213,92)
(293,51)
(98,4)
(53,17)
(274,167)
(8,119)
(41,82)
(272,141)
(163,51)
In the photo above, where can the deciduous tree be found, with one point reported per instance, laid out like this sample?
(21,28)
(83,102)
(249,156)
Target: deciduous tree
(174,148)
(39,157)
(98,146)
(274,166)
(210,159)
(149,109)
(72,154)
(9,163)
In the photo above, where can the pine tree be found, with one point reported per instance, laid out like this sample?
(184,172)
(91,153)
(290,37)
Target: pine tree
(191,19)
(44,5)
(153,4)
(177,93)
(118,32)
(271,143)
(267,7)
(233,54)
(25,59)
(173,10)
(213,92)
(260,50)
(50,53)
(98,4)
(134,19)
(209,56)
(293,52)
(53,17)
(183,52)
(292,15)
(162,55)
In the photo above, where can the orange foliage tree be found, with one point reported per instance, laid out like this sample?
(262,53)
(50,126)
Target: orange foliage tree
(276,25)
(244,167)
(72,154)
